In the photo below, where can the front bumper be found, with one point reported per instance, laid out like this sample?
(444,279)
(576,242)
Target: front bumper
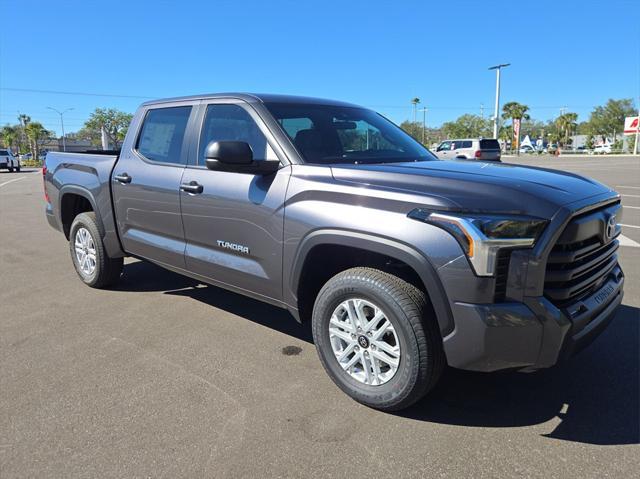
(529,335)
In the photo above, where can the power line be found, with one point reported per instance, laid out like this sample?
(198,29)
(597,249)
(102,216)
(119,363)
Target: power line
(77,93)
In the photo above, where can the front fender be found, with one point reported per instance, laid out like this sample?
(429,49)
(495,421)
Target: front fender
(381,245)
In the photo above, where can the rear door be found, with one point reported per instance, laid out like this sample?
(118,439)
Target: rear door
(146,185)
(234,226)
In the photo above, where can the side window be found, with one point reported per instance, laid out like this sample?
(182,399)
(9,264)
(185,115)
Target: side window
(162,134)
(444,146)
(466,144)
(232,123)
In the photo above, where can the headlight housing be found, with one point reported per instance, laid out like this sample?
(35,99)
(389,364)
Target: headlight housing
(482,236)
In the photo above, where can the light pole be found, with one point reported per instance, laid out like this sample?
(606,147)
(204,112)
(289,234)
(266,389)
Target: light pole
(61,113)
(424,123)
(497,68)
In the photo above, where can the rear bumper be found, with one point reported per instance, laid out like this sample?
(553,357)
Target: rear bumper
(51,217)
(3,165)
(530,335)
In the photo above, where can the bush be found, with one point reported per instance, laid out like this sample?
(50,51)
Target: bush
(31,163)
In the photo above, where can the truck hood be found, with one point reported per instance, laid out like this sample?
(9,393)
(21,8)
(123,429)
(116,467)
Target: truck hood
(476,186)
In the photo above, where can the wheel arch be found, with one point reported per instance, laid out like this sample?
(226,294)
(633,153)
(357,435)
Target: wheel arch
(375,249)
(73,200)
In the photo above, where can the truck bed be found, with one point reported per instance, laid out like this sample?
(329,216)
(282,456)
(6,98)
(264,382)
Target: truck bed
(71,176)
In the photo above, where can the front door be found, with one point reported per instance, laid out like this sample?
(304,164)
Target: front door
(146,185)
(234,225)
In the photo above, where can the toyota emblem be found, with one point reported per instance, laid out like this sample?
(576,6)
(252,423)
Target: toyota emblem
(610,229)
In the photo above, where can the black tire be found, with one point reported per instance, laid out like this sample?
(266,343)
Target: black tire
(408,309)
(107,270)
(18,168)
(10,168)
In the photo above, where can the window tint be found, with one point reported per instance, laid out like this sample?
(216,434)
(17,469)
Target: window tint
(489,144)
(162,134)
(232,123)
(326,134)
(4,152)
(466,144)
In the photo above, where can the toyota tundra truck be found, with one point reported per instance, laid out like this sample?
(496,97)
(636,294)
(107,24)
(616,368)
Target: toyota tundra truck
(403,263)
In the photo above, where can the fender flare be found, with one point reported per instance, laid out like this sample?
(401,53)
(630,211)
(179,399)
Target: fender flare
(86,194)
(388,247)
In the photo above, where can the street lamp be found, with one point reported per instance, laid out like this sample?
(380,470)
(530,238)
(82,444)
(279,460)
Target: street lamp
(424,123)
(61,113)
(497,68)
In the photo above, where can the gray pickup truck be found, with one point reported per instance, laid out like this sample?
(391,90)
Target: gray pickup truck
(402,262)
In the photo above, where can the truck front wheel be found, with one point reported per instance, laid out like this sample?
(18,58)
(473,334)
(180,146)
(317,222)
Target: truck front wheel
(377,338)
(93,265)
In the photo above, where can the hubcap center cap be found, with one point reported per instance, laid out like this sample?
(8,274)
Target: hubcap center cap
(363,341)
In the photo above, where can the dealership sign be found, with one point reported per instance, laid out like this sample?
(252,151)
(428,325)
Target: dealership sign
(631,124)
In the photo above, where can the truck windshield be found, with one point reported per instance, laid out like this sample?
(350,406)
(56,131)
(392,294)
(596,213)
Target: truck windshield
(325,134)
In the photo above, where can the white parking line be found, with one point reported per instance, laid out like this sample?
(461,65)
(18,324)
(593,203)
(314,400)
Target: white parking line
(632,187)
(629,226)
(624,206)
(624,241)
(631,196)
(11,181)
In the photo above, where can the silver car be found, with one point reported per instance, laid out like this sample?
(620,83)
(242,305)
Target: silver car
(484,149)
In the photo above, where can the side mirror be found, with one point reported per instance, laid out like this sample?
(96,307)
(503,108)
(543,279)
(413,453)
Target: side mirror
(236,156)
(229,152)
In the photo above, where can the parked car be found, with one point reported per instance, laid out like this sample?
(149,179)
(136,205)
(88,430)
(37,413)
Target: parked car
(483,149)
(602,149)
(527,149)
(402,263)
(8,161)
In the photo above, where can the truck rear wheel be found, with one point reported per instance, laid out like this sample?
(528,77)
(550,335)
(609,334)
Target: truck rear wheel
(377,338)
(93,265)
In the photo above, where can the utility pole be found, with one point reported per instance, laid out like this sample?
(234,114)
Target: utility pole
(496,109)
(424,124)
(635,147)
(482,110)
(61,113)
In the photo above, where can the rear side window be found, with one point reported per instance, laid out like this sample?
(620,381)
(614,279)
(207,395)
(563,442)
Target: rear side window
(162,134)
(4,153)
(489,144)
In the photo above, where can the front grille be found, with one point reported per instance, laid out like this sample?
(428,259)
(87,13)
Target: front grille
(582,258)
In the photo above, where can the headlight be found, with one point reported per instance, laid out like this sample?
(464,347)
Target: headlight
(482,236)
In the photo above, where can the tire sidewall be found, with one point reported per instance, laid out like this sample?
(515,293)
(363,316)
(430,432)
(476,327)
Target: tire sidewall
(406,376)
(84,221)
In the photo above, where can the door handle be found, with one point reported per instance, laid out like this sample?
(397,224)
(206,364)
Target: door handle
(123,178)
(193,187)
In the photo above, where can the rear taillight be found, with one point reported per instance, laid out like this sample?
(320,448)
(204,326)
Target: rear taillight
(44,182)
(477,154)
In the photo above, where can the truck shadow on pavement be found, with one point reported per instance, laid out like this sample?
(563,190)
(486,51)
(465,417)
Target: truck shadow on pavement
(595,395)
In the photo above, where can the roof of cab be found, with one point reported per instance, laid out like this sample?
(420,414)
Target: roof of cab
(254,98)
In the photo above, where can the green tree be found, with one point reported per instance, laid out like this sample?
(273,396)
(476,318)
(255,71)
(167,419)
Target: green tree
(567,123)
(467,126)
(607,119)
(9,135)
(36,135)
(515,111)
(114,122)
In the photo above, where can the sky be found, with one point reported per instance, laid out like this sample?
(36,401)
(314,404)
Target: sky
(379,54)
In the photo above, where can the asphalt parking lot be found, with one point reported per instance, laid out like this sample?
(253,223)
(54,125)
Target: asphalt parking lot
(165,377)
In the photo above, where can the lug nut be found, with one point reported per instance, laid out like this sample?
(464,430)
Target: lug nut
(366,353)
(373,346)
(357,348)
(353,336)
(369,334)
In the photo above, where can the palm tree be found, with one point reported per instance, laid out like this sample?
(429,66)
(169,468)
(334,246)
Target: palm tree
(415,102)
(36,134)
(515,111)
(566,124)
